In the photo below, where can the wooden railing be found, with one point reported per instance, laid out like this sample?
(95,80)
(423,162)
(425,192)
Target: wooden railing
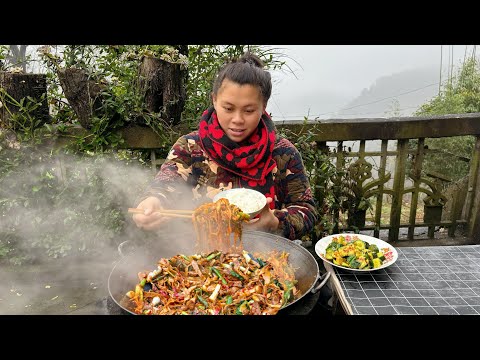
(397,174)
(463,204)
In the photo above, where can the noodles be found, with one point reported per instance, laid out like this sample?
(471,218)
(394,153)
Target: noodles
(215,283)
(221,278)
(216,223)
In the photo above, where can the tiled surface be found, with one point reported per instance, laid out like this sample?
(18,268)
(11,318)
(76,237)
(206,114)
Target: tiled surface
(424,280)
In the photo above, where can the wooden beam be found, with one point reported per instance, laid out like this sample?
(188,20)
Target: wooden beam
(388,128)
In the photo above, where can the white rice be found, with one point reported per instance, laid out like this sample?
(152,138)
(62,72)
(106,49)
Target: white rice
(247,200)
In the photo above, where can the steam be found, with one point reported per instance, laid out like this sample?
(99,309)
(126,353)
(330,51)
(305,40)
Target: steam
(62,220)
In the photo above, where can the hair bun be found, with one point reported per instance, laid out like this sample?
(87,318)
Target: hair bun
(251,59)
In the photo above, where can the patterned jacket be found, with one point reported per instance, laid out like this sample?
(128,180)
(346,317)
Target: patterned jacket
(188,175)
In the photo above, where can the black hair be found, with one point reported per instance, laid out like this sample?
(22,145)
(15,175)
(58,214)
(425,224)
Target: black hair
(247,69)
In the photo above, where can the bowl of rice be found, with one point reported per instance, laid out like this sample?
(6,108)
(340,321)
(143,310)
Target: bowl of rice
(249,201)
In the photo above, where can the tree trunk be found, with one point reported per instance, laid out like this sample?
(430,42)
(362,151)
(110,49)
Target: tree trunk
(21,86)
(163,87)
(150,83)
(82,93)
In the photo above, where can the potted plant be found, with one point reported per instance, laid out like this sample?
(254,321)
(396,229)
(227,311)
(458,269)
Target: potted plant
(358,187)
(357,210)
(432,209)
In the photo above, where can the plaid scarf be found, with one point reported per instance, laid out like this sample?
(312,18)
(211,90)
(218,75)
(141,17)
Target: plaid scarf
(251,159)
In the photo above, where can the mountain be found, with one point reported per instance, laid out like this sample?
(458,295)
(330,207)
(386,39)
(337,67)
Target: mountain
(399,94)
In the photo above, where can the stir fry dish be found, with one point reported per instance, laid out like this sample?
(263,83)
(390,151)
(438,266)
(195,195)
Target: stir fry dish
(215,223)
(352,252)
(215,283)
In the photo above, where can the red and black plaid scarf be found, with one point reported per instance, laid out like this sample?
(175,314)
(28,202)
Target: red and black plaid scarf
(251,160)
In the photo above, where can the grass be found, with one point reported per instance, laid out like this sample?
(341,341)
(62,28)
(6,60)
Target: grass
(386,209)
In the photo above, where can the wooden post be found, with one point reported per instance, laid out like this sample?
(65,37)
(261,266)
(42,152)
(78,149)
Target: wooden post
(473,207)
(416,175)
(339,165)
(398,186)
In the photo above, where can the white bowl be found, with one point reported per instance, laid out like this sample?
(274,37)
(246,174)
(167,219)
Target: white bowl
(249,201)
(321,246)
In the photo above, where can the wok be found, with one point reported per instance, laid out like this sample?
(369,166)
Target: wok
(123,276)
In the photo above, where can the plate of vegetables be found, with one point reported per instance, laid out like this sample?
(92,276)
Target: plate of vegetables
(356,252)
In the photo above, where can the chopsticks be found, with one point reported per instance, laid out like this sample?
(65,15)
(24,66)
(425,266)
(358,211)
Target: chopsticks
(186,214)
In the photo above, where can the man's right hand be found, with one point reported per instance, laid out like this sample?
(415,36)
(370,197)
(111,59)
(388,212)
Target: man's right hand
(150,220)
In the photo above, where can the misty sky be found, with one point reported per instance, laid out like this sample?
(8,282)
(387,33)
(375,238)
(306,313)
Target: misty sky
(329,76)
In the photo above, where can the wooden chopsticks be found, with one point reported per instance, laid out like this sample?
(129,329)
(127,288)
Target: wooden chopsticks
(187,214)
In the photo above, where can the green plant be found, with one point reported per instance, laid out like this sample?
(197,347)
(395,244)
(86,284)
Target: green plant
(324,178)
(115,68)
(460,95)
(23,119)
(54,204)
(354,193)
(204,62)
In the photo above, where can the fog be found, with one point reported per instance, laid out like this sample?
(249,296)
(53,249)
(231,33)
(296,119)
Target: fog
(327,77)
(63,238)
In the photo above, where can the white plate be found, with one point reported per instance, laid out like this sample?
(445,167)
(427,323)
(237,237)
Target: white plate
(321,246)
(238,196)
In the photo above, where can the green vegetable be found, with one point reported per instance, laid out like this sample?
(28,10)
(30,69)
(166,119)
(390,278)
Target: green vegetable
(355,264)
(212,256)
(373,248)
(288,292)
(377,263)
(359,244)
(258,261)
(242,308)
(237,275)
(229,299)
(276,282)
(158,276)
(329,254)
(203,301)
(334,246)
(363,264)
(217,272)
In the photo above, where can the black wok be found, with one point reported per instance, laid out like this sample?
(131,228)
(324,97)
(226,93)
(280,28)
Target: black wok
(123,276)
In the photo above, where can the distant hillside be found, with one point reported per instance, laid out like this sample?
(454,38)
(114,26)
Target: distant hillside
(399,94)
